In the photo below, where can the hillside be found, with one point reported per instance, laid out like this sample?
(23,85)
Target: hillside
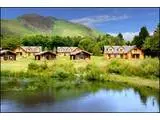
(29,24)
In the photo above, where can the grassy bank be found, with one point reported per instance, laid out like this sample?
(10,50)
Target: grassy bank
(63,72)
(135,81)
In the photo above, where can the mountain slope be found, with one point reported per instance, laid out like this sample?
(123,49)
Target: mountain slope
(29,24)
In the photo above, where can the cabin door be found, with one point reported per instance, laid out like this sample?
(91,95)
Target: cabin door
(135,56)
(38,57)
(47,57)
(81,56)
(121,55)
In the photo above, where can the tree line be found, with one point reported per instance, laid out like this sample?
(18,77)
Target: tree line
(94,45)
(149,43)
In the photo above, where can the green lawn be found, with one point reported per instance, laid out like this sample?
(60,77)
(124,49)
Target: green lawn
(21,64)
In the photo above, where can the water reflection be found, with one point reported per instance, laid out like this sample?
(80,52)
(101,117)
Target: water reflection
(97,98)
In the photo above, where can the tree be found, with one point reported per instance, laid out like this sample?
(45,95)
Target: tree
(76,40)
(36,40)
(10,42)
(140,39)
(96,50)
(128,43)
(120,36)
(153,42)
(143,34)
(87,44)
(119,40)
(45,49)
(136,41)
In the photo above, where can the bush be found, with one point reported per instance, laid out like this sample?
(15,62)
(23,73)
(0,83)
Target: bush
(5,73)
(33,66)
(37,67)
(150,67)
(93,73)
(60,74)
(131,69)
(43,66)
(147,68)
(14,82)
(31,88)
(81,70)
(116,66)
(69,67)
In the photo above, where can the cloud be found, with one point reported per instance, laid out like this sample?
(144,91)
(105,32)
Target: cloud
(128,35)
(92,20)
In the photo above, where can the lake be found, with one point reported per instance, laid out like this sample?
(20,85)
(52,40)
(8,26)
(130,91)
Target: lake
(109,99)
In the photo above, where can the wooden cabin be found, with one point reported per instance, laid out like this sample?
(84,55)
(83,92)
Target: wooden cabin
(27,50)
(81,54)
(7,55)
(125,52)
(66,51)
(47,55)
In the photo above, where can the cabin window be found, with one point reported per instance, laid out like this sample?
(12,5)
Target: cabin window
(121,50)
(110,49)
(135,50)
(19,53)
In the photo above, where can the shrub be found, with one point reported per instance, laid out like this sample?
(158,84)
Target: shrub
(93,73)
(67,67)
(5,73)
(37,67)
(60,74)
(116,66)
(31,88)
(147,68)
(33,66)
(14,82)
(43,66)
(150,67)
(131,69)
(81,69)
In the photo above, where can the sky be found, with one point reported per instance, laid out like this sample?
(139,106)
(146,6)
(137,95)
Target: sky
(127,21)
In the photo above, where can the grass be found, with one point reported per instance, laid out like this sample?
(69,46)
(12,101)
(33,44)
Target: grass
(63,72)
(64,28)
(135,81)
(60,28)
(15,27)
